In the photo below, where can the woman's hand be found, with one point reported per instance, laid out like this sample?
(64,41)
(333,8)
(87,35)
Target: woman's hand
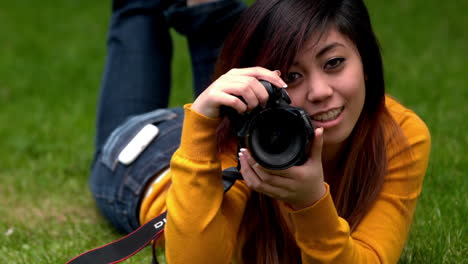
(298,186)
(227,89)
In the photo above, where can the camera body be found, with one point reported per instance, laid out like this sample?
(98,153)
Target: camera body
(278,135)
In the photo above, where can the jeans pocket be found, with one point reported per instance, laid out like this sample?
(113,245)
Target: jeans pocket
(123,134)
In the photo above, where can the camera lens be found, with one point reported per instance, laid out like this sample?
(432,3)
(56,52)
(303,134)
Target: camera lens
(277,138)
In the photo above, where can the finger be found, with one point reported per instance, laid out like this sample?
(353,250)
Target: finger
(281,173)
(316,152)
(252,91)
(274,192)
(249,88)
(266,176)
(249,175)
(260,92)
(250,160)
(259,170)
(236,93)
(262,74)
(255,183)
(232,101)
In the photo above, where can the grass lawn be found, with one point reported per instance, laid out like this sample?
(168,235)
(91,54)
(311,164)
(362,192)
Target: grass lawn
(51,61)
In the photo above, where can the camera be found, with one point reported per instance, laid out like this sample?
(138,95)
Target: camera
(278,135)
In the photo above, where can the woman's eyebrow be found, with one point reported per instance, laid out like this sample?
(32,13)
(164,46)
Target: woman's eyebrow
(327,48)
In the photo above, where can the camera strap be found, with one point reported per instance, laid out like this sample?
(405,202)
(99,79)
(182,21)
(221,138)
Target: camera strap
(132,243)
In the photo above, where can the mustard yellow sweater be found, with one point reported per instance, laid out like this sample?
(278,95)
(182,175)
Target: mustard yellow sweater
(203,223)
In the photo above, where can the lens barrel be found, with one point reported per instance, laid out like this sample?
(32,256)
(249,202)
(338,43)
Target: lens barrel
(279,138)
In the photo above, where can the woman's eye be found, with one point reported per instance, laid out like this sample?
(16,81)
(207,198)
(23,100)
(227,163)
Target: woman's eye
(334,63)
(292,76)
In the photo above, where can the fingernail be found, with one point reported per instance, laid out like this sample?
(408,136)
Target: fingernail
(242,149)
(240,154)
(283,83)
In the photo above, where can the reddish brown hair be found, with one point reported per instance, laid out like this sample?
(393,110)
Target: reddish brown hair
(269,34)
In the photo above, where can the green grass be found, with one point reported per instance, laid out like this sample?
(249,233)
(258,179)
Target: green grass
(51,61)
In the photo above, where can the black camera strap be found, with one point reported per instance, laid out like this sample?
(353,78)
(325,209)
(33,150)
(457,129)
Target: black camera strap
(132,243)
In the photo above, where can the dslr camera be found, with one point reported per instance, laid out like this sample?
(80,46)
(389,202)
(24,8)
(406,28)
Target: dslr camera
(278,135)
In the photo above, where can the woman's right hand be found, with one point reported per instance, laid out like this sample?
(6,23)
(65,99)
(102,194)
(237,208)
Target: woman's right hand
(236,83)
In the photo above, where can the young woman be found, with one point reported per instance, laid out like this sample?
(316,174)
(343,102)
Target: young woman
(352,201)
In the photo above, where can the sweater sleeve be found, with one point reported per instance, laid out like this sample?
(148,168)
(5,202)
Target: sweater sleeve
(324,237)
(201,218)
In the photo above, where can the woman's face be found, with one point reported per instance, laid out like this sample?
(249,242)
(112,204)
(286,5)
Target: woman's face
(327,80)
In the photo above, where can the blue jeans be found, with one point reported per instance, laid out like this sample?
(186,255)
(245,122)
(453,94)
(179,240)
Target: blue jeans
(135,92)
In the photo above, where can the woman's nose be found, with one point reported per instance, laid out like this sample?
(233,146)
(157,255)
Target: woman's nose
(318,90)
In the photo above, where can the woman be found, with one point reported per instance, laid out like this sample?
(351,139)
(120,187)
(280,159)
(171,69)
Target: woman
(352,201)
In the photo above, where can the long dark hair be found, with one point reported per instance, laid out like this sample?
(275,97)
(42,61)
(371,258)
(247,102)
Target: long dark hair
(270,34)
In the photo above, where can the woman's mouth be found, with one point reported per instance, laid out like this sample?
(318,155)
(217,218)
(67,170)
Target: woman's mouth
(329,115)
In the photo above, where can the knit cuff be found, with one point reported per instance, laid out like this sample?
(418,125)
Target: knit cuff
(198,140)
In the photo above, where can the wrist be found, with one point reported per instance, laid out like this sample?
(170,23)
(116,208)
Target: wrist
(312,199)
(205,110)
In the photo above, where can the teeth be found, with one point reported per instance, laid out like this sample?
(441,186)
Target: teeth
(330,115)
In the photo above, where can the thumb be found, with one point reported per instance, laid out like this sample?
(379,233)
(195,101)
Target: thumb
(316,151)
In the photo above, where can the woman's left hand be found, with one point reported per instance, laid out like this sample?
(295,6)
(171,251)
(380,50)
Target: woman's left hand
(298,186)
